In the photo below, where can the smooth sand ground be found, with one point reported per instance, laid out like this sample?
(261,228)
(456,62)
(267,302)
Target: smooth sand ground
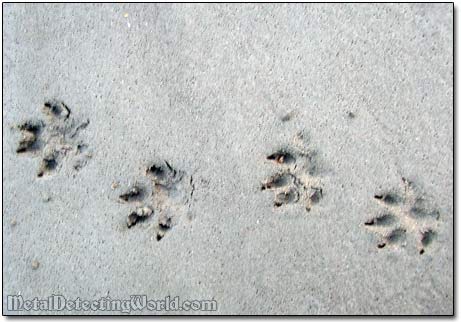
(208,88)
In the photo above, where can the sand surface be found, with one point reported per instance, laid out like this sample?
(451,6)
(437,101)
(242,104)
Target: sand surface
(352,103)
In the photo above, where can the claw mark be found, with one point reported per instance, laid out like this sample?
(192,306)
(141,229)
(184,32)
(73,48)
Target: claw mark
(48,164)
(163,176)
(396,236)
(278,180)
(383,220)
(192,187)
(388,198)
(57,109)
(164,225)
(426,237)
(80,127)
(135,193)
(282,157)
(29,136)
(138,215)
(285,197)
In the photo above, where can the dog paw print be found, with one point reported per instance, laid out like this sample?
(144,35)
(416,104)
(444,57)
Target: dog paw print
(168,197)
(54,138)
(296,181)
(406,217)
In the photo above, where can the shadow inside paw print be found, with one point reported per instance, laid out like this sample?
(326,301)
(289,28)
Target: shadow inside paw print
(170,194)
(405,216)
(296,180)
(135,193)
(53,138)
(140,214)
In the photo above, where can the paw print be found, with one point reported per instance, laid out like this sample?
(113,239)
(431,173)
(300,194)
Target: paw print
(54,138)
(168,196)
(404,216)
(296,180)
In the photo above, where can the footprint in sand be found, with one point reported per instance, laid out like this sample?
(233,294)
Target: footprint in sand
(406,217)
(54,139)
(168,197)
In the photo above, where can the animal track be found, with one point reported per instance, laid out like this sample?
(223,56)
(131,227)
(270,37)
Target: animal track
(53,138)
(404,216)
(296,181)
(171,192)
